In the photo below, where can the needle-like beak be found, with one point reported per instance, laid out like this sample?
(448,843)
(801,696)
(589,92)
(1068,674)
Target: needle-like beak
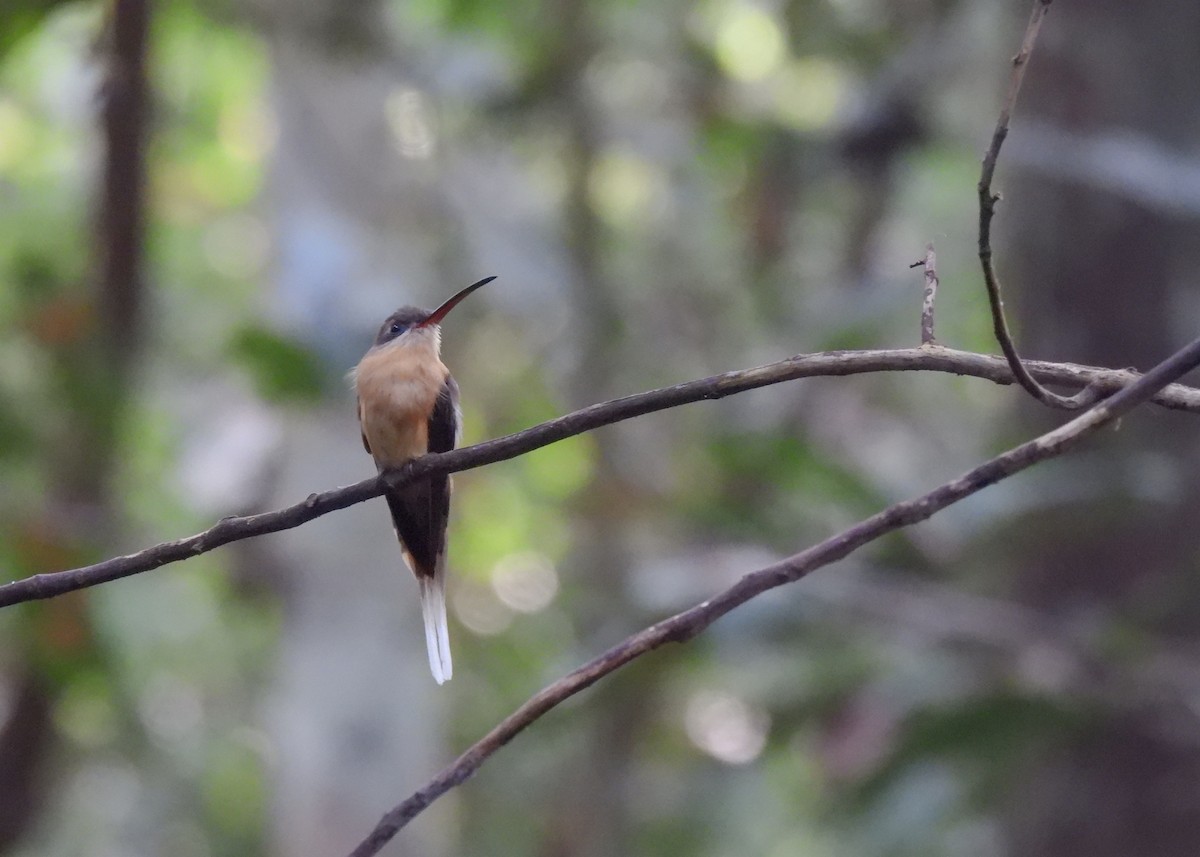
(438,314)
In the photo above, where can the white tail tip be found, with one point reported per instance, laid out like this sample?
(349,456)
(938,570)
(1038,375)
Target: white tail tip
(437,634)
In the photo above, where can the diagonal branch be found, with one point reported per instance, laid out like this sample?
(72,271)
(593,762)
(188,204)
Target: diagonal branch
(683,626)
(930,358)
(987,210)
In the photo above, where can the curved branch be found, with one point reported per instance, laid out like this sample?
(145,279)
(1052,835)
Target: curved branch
(930,358)
(683,626)
(987,210)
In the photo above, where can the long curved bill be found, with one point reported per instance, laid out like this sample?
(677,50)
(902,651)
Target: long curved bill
(441,312)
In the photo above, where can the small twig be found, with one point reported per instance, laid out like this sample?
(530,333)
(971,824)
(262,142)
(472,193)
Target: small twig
(987,210)
(931,285)
(821,364)
(683,626)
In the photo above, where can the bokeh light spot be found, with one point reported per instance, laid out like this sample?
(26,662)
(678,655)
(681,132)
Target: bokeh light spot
(808,92)
(408,119)
(526,581)
(750,44)
(237,246)
(624,187)
(247,132)
(726,727)
(16,135)
(479,610)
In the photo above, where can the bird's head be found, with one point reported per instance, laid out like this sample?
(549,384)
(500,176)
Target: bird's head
(411,321)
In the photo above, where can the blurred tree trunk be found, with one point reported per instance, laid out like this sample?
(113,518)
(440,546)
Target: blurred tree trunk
(591,818)
(94,374)
(1100,271)
(26,736)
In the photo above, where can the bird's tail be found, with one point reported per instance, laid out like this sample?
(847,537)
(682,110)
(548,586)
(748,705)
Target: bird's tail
(437,634)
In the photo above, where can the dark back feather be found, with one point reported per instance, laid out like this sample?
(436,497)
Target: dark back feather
(421,511)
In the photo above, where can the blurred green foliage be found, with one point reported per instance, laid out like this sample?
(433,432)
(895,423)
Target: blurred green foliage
(725,247)
(283,370)
(157,675)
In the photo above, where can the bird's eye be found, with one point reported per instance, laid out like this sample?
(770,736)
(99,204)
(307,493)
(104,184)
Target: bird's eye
(397,328)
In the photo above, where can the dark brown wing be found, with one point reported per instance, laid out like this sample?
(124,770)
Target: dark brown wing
(444,422)
(421,511)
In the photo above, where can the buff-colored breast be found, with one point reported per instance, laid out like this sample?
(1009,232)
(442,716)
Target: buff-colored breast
(397,385)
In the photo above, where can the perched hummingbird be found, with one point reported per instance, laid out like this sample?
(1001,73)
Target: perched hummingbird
(408,406)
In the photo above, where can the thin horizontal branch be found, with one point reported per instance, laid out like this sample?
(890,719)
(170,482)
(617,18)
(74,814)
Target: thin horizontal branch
(686,625)
(929,358)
